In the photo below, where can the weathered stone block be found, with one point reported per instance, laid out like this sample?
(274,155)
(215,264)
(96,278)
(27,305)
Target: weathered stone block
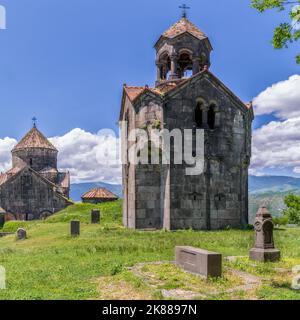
(199,261)
(264,255)
(21,234)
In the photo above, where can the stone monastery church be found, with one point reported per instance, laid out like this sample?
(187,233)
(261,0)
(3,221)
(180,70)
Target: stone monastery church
(33,188)
(187,95)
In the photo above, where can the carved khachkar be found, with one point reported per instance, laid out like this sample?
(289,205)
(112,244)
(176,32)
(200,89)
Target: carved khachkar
(21,234)
(264,249)
(95,216)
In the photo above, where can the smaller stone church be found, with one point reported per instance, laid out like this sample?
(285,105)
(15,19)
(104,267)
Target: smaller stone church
(34,188)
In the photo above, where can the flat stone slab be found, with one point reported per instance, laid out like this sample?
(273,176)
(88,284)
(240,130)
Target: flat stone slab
(4,234)
(199,261)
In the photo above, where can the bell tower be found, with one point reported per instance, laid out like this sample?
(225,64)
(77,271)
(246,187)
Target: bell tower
(182,51)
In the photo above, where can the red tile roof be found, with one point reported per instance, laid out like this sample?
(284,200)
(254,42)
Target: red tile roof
(99,193)
(34,139)
(182,26)
(162,89)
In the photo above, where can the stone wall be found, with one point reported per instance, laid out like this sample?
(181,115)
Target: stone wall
(37,158)
(218,197)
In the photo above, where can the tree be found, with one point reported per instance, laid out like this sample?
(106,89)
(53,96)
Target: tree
(293,208)
(286,32)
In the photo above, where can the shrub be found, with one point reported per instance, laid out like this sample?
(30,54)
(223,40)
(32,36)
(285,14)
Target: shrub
(282,221)
(293,208)
(13,226)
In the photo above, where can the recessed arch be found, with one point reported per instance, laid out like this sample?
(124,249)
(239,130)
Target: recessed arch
(211,116)
(199,114)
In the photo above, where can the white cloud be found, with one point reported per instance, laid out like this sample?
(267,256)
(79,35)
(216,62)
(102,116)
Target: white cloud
(281,99)
(89,157)
(6,145)
(276,145)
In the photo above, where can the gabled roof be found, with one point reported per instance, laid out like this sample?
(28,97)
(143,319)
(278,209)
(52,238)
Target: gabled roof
(134,92)
(6,177)
(166,88)
(182,26)
(99,193)
(34,139)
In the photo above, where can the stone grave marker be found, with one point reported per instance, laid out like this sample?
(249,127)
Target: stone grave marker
(264,249)
(75,228)
(21,234)
(95,216)
(199,261)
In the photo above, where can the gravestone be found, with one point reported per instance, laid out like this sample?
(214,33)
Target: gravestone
(264,249)
(75,228)
(95,216)
(202,262)
(21,234)
(2,219)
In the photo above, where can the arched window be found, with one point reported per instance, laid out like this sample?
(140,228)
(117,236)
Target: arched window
(199,115)
(211,117)
(165,68)
(30,162)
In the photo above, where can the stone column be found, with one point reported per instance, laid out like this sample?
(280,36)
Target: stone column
(173,74)
(158,71)
(75,228)
(166,199)
(196,65)
(205,117)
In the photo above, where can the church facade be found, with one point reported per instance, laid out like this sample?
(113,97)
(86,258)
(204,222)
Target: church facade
(34,188)
(187,95)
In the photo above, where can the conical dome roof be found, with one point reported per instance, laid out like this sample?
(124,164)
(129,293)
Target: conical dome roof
(34,139)
(182,26)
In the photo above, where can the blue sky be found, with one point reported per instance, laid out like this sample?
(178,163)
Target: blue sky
(65,61)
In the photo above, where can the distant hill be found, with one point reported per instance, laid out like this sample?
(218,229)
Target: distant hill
(264,190)
(78,189)
(273,183)
(270,191)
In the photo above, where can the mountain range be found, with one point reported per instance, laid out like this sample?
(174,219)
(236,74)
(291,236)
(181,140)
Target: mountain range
(264,190)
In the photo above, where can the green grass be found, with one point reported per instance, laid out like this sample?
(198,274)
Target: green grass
(52,265)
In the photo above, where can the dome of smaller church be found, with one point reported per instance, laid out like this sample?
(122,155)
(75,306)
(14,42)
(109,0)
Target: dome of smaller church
(34,139)
(36,151)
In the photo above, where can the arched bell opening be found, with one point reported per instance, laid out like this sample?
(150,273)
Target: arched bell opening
(164,66)
(185,65)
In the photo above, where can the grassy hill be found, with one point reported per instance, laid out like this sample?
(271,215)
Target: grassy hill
(52,265)
(263,190)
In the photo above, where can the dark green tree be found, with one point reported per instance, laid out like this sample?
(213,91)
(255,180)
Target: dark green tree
(293,208)
(289,31)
